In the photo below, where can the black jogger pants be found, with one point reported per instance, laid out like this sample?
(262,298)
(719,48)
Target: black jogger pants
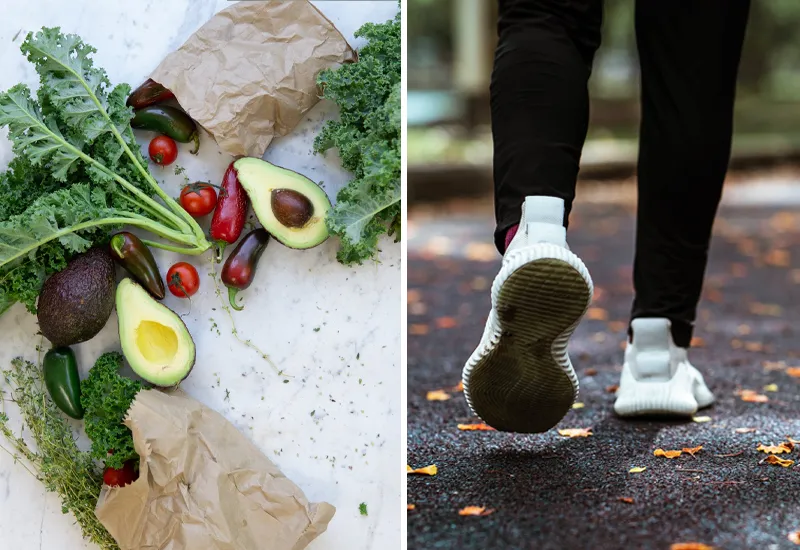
(689,55)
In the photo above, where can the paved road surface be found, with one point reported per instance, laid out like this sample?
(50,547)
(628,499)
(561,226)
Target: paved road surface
(551,492)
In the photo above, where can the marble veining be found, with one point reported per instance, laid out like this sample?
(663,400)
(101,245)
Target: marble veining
(334,428)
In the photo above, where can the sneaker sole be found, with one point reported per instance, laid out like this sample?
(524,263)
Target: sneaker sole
(523,381)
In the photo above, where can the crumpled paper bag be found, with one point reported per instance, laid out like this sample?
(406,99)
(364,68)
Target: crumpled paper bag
(250,73)
(203,486)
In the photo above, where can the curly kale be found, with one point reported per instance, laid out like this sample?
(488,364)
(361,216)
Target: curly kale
(106,397)
(368,139)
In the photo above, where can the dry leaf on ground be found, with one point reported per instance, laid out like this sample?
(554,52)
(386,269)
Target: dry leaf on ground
(792,441)
(475,427)
(667,454)
(700,419)
(771,387)
(692,450)
(784,447)
(576,432)
(597,314)
(637,469)
(612,388)
(772,459)
(751,396)
(411,506)
(690,546)
(590,372)
(578,405)
(446,322)
(458,387)
(794,372)
(475,511)
(418,329)
(626,500)
(431,470)
(744,430)
(437,395)
(697,342)
(794,537)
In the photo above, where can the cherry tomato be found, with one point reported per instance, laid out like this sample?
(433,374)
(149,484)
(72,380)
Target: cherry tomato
(120,478)
(198,199)
(183,280)
(163,150)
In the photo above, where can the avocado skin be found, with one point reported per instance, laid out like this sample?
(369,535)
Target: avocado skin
(75,304)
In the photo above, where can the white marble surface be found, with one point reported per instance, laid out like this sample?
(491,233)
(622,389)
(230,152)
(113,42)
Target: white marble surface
(335,427)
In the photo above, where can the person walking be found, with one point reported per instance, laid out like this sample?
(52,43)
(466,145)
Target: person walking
(520,377)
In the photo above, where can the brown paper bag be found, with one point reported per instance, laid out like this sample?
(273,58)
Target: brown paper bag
(203,486)
(250,73)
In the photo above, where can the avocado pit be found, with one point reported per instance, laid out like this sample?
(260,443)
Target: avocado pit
(291,209)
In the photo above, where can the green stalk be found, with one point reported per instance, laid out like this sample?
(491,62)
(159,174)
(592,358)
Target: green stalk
(149,210)
(179,249)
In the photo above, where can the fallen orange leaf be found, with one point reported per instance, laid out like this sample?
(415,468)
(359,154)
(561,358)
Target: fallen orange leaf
(576,432)
(690,546)
(418,330)
(437,395)
(692,450)
(794,372)
(617,326)
(772,459)
(597,314)
(446,322)
(431,470)
(476,427)
(751,396)
(666,454)
(766,310)
(784,447)
(411,506)
(697,342)
(626,500)
(744,430)
(459,386)
(590,372)
(475,511)
(612,388)
(794,537)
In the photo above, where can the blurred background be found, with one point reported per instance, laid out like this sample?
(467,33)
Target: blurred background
(450,50)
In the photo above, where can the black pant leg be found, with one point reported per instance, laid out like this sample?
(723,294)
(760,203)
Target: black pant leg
(689,52)
(539,100)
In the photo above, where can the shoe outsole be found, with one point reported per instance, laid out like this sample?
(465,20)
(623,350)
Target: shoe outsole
(525,382)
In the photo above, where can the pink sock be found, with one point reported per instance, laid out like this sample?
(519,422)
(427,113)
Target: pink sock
(510,234)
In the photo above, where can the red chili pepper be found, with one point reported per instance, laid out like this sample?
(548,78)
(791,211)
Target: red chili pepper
(231,212)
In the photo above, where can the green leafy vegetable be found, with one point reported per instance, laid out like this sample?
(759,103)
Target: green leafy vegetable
(78,172)
(106,397)
(56,459)
(368,139)
(362,508)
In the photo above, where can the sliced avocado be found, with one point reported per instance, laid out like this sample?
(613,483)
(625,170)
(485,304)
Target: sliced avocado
(155,341)
(75,303)
(289,205)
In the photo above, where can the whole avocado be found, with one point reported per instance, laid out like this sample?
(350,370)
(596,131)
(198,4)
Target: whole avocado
(75,304)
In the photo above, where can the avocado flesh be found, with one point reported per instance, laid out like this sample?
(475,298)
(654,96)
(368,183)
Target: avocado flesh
(260,178)
(155,341)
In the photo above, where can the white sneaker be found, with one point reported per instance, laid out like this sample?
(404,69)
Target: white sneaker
(657,377)
(520,378)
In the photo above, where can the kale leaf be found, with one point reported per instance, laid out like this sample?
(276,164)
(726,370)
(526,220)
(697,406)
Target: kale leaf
(367,136)
(106,397)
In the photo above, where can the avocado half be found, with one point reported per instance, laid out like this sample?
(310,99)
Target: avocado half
(289,205)
(155,341)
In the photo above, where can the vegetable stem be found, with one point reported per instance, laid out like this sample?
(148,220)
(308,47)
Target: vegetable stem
(179,249)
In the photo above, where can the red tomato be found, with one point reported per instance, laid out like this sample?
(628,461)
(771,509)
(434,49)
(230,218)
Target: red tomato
(163,150)
(183,280)
(120,478)
(198,199)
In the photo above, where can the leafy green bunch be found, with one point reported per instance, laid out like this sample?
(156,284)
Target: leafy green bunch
(368,139)
(106,397)
(78,172)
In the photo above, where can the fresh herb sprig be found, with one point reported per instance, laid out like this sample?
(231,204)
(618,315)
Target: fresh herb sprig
(56,459)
